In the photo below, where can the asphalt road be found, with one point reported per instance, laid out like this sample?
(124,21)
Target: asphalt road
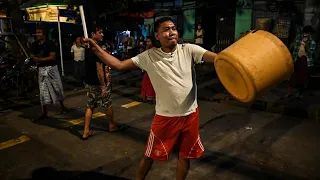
(240,144)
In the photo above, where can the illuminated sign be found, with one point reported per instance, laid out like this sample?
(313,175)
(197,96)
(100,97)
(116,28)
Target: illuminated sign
(48,13)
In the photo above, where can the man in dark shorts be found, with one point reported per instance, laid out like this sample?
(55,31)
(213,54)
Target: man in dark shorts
(172,74)
(99,90)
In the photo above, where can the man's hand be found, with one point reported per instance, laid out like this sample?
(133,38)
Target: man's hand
(36,59)
(88,42)
(104,91)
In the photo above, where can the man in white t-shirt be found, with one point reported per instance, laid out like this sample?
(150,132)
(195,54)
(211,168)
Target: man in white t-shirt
(171,70)
(78,54)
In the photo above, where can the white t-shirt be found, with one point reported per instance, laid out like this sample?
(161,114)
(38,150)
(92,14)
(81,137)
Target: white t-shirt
(199,40)
(79,53)
(173,78)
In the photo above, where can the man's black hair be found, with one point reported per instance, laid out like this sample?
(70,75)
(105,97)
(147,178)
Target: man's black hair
(94,29)
(308,29)
(43,29)
(160,21)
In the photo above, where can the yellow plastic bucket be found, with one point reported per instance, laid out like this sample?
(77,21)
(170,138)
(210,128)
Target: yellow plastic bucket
(253,65)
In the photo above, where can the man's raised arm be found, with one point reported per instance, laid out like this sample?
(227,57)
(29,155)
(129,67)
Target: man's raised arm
(110,60)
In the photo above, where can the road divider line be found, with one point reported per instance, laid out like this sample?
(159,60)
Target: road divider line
(14,142)
(80,120)
(134,103)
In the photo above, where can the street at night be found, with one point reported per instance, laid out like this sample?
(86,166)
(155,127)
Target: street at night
(239,143)
(159,90)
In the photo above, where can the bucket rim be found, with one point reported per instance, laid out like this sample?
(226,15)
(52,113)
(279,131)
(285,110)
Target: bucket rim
(243,72)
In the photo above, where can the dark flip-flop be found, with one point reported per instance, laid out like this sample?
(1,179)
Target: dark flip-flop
(64,111)
(86,138)
(120,128)
(151,102)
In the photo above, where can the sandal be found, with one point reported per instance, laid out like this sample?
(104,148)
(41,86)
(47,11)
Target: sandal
(64,111)
(86,138)
(120,128)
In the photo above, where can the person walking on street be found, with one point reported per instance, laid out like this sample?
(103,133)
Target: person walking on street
(99,91)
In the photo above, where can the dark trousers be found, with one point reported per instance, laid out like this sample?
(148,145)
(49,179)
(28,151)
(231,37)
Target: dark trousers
(300,77)
(79,70)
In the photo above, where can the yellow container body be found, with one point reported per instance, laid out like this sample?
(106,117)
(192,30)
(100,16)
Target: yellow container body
(253,65)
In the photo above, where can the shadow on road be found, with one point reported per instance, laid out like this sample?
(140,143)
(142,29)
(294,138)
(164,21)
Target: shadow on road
(257,143)
(60,121)
(48,173)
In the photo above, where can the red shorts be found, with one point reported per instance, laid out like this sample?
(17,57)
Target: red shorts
(167,131)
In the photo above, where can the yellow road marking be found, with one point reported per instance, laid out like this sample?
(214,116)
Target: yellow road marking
(80,120)
(134,103)
(13,142)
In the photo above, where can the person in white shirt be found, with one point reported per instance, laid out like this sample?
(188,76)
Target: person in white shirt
(78,54)
(172,74)
(199,36)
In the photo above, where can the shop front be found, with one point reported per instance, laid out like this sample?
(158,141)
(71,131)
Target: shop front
(282,18)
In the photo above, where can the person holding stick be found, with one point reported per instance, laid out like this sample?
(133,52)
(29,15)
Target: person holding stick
(172,74)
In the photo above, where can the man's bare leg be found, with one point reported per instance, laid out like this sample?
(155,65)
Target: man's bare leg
(182,168)
(144,167)
(63,108)
(87,120)
(109,115)
(44,110)
(43,115)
